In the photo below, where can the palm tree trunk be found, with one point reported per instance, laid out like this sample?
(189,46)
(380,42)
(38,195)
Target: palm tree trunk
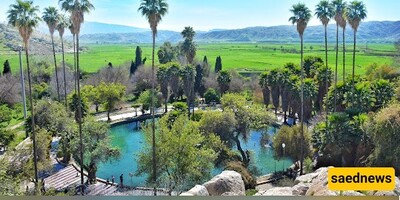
(153,123)
(65,79)
(302,108)
(354,63)
(166,105)
(74,43)
(344,54)
(79,107)
(55,66)
(336,68)
(32,116)
(327,73)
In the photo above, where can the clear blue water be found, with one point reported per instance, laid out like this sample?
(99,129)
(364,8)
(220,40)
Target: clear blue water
(130,141)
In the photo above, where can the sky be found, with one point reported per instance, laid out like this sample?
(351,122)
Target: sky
(204,15)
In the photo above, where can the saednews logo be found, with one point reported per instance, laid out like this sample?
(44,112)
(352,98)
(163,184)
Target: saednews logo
(361,179)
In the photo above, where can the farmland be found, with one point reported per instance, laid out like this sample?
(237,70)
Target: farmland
(236,56)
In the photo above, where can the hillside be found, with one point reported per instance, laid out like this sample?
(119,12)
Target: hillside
(380,32)
(39,43)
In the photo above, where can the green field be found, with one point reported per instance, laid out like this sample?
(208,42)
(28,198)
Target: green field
(240,57)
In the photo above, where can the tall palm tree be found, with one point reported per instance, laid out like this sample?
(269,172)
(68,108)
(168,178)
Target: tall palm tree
(301,17)
(188,47)
(78,9)
(71,29)
(62,24)
(324,12)
(50,16)
(343,25)
(338,8)
(355,13)
(154,11)
(23,15)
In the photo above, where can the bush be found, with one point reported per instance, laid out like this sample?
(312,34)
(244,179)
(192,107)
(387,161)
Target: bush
(212,95)
(248,179)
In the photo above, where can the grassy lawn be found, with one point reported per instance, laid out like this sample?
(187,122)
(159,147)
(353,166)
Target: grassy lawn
(237,56)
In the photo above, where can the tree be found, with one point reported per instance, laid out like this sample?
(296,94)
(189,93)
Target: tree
(154,11)
(63,23)
(339,7)
(292,138)
(145,100)
(78,9)
(167,53)
(74,104)
(247,117)
(6,68)
(111,95)
(9,184)
(301,17)
(6,137)
(51,17)
(23,16)
(274,83)
(188,47)
(138,61)
(185,156)
(324,11)
(218,65)
(10,90)
(355,13)
(324,78)
(174,75)
(188,76)
(264,80)
(206,67)
(199,87)
(211,95)
(384,129)
(163,79)
(97,149)
(224,79)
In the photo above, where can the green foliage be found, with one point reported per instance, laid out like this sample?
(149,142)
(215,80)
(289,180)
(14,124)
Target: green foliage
(6,137)
(374,71)
(138,60)
(40,90)
(74,103)
(224,79)
(184,155)
(110,95)
(5,115)
(6,68)
(97,146)
(308,165)
(218,64)
(384,129)
(248,179)
(167,53)
(145,100)
(211,95)
(188,47)
(9,184)
(92,94)
(199,87)
(292,138)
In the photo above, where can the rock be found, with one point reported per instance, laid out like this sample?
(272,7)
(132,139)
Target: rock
(301,189)
(198,190)
(186,194)
(279,191)
(307,178)
(229,182)
(385,193)
(352,193)
(397,186)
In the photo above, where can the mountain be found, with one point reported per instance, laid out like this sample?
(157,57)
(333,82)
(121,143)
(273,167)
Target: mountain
(374,31)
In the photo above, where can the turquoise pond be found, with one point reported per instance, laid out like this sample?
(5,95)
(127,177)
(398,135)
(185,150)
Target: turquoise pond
(130,141)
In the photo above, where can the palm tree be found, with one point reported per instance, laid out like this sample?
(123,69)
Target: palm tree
(338,8)
(154,11)
(188,47)
(23,16)
(51,17)
(343,25)
(77,9)
(163,80)
(301,17)
(62,24)
(355,13)
(71,29)
(188,74)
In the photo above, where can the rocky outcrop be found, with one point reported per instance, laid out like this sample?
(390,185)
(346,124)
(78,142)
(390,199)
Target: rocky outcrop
(316,184)
(228,183)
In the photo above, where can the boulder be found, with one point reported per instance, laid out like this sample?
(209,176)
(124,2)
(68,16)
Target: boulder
(352,193)
(279,191)
(229,182)
(198,190)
